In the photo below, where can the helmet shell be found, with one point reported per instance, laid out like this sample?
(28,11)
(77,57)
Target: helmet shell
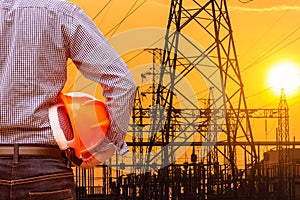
(89,122)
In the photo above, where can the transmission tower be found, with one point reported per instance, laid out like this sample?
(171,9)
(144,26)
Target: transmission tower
(210,23)
(283,150)
(283,122)
(163,125)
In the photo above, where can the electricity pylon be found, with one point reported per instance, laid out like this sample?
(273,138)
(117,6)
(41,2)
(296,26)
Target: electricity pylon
(210,26)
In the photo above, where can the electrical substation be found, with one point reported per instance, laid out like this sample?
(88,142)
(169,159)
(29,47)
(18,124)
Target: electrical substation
(195,141)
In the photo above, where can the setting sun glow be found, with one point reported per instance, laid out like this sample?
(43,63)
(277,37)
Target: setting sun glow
(284,75)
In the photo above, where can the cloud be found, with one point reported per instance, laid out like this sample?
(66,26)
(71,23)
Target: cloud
(277,8)
(246,9)
(238,8)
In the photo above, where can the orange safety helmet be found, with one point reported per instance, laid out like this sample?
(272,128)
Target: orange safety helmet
(83,124)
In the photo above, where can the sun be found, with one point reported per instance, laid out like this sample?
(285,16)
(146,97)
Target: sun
(284,75)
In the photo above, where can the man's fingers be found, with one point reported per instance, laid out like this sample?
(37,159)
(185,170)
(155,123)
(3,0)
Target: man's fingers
(97,158)
(104,155)
(90,162)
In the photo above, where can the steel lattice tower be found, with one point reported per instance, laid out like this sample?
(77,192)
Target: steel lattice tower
(283,150)
(161,127)
(210,22)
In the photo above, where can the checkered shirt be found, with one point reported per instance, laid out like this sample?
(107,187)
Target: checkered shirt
(37,37)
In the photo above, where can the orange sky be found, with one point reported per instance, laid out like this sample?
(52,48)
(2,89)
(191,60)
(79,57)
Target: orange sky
(262,29)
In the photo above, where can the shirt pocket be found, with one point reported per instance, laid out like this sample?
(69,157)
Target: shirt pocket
(65,194)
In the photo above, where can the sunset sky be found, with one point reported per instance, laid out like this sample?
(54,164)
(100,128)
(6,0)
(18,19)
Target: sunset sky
(266,32)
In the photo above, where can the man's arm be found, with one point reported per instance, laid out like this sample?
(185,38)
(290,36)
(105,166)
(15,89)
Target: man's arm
(98,61)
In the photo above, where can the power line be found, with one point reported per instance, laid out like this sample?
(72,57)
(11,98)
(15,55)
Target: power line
(268,30)
(270,53)
(264,56)
(132,10)
(94,18)
(102,10)
(293,104)
(258,93)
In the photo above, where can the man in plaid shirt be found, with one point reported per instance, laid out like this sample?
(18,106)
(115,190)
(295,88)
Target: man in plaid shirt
(37,37)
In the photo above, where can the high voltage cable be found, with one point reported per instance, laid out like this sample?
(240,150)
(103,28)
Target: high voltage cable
(269,52)
(114,29)
(258,93)
(268,30)
(101,10)
(288,44)
(104,14)
(264,56)
(294,102)
(130,12)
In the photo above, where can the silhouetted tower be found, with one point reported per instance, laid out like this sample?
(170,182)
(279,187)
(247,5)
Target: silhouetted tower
(283,149)
(143,109)
(209,24)
(283,122)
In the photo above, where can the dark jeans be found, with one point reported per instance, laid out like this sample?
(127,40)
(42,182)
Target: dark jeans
(36,178)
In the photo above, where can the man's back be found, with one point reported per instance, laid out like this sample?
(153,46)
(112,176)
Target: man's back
(33,56)
(36,39)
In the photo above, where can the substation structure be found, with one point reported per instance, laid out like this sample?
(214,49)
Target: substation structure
(190,135)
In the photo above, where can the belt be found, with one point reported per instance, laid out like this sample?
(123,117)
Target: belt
(32,151)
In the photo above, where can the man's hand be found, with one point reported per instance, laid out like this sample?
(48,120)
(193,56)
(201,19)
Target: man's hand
(97,158)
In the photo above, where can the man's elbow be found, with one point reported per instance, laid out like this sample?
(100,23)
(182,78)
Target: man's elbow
(132,87)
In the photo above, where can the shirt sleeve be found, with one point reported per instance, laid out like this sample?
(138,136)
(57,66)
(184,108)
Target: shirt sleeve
(98,61)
